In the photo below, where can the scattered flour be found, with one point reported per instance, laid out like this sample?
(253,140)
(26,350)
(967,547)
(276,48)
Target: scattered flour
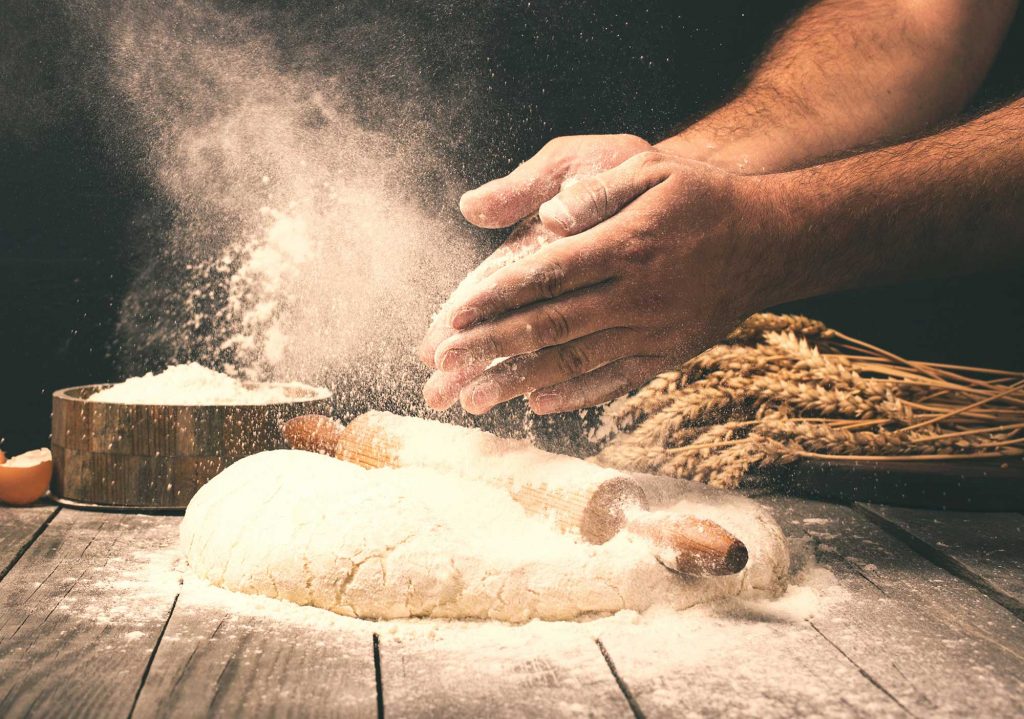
(415,542)
(193,384)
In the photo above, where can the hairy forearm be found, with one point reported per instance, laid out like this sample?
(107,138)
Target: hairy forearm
(950,203)
(848,74)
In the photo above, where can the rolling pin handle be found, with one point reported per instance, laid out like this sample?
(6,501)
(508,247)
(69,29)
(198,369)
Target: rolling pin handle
(689,545)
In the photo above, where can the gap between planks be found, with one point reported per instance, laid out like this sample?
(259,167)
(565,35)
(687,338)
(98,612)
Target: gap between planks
(623,687)
(20,552)
(942,559)
(953,653)
(216,658)
(917,545)
(87,592)
(378,679)
(499,671)
(152,655)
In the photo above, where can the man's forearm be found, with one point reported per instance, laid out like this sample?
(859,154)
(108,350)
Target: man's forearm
(851,73)
(950,203)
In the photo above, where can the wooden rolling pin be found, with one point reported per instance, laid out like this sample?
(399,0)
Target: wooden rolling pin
(598,502)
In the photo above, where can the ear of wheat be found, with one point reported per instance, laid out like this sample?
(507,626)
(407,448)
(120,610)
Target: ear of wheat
(785,387)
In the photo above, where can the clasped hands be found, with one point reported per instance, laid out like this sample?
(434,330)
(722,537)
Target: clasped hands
(633,260)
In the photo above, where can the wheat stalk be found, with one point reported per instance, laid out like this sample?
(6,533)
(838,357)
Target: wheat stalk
(785,387)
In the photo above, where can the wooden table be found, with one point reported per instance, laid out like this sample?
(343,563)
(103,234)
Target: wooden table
(931,625)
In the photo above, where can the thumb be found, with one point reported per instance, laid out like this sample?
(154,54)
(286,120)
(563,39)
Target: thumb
(502,202)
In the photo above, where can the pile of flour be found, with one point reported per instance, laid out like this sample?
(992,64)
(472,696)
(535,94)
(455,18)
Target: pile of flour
(416,542)
(193,384)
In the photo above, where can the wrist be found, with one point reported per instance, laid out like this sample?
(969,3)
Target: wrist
(746,156)
(702,147)
(787,223)
(688,146)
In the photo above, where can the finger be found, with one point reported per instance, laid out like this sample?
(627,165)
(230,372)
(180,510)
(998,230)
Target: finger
(570,264)
(532,328)
(442,388)
(527,237)
(521,375)
(501,202)
(593,199)
(602,385)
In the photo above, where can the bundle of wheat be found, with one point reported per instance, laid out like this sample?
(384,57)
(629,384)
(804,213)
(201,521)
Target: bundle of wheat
(784,387)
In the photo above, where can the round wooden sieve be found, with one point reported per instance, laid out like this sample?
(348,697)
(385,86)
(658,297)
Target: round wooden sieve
(158,456)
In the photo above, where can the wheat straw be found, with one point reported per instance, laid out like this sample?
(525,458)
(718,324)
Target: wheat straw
(782,388)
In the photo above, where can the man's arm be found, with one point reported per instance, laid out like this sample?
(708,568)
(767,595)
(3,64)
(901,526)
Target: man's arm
(848,74)
(662,256)
(950,203)
(845,73)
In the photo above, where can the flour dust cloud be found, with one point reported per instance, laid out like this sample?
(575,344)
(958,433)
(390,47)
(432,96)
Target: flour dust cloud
(298,248)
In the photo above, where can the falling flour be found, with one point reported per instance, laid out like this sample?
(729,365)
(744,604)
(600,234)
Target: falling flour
(302,242)
(396,543)
(193,384)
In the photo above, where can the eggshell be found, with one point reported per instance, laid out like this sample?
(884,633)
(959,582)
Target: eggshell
(25,478)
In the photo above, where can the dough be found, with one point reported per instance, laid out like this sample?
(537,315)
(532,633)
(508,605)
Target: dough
(391,543)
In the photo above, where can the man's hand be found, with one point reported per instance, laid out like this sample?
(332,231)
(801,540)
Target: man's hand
(590,303)
(511,199)
(505,201)
(654,260)
(645,264)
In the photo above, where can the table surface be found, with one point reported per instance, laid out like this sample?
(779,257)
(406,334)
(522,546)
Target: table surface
(930,624)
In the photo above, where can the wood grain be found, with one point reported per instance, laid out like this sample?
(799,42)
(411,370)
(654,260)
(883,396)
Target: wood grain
(213,660)
(80,614)
(496,671)
(741,658)
(19,527)
(935,643)
(986,549)
(721,665)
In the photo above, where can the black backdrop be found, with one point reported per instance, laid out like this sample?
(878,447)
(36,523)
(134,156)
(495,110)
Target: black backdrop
(78,218)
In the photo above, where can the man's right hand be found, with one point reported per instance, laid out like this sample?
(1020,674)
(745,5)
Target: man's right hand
(505,201)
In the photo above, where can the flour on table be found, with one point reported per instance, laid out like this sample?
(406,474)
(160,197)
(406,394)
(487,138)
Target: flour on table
(193,384)
(396,543)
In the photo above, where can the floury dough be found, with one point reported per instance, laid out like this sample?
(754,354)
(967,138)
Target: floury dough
(393,543)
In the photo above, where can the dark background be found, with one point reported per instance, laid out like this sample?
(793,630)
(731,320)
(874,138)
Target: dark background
(79,217)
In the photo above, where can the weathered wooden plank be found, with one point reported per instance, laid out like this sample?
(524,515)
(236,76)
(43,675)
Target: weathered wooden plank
(81,611)
(19,527)
(729,661)
(985,548)
(932,641)
(475,669)
(229,655)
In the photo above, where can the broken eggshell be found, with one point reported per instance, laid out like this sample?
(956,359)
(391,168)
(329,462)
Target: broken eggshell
(26,477)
